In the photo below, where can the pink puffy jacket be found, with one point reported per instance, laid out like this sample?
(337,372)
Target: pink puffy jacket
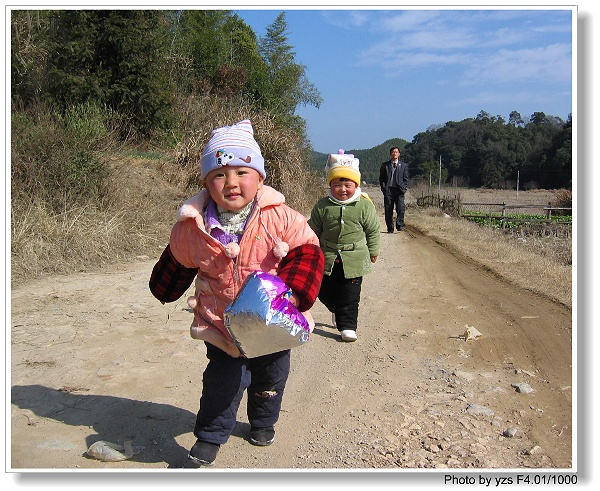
(220,277)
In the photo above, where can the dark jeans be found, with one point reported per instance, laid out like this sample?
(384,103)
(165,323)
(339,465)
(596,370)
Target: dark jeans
(341,296)
(393,198)
(224,381)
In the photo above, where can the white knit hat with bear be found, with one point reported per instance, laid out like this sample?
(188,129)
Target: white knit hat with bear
(342,165)
(232,146)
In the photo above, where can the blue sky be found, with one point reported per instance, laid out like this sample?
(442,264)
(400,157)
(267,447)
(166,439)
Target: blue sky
(394,73)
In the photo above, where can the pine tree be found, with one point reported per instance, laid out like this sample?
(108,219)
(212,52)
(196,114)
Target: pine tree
(113,58)
(288,84)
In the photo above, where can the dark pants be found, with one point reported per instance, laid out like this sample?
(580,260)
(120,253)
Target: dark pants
(341,296)
(393,198)
(224,382)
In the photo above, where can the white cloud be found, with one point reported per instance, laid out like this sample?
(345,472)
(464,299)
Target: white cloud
(410,20)
(546,65)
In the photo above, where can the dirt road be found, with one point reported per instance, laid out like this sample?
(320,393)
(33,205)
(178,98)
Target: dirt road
(96,357)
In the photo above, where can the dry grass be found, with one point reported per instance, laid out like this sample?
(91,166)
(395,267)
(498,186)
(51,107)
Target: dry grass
(134,222)
(480,195)
(42,241)
(509,197)
(538,262)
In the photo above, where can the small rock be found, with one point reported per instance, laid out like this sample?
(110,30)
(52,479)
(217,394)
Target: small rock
(477,409)
(534,450)
(471,333)
(510,432)
(523,387)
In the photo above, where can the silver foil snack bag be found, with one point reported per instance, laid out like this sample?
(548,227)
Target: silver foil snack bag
(262,320)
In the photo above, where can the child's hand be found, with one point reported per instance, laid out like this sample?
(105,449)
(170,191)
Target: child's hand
(292,298)
(374,258)
(217,339)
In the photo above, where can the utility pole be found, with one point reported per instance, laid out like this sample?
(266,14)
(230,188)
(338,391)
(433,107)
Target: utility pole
(518,172)
(440,180)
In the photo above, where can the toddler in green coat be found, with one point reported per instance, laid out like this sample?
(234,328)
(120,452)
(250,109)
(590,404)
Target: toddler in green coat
(349,234)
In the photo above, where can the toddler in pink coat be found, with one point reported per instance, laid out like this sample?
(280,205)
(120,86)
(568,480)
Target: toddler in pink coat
(236,225)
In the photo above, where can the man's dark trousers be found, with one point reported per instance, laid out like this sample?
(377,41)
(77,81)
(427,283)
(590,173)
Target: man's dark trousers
(394,198)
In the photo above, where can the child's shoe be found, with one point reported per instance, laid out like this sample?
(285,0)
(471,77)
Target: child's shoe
(348,335)
(262,436)
(204,453)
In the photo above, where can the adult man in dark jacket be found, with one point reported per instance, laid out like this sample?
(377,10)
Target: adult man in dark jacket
(393,181)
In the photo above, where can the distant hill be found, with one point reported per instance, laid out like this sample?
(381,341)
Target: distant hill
(370,159)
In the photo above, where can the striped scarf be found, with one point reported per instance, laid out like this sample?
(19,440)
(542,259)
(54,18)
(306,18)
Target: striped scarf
(226,226)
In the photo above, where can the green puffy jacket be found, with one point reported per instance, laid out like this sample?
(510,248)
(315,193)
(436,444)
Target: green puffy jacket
(350,230)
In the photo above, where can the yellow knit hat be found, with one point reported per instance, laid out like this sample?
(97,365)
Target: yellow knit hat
(342,165)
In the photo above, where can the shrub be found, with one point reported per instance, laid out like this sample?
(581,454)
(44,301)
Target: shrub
(563,199)
(86,122)
(53,157)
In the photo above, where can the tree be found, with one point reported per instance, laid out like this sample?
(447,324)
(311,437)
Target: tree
(113,58)
(207,36)
(515,119)
(29,31)
(223,53)
(560,167)
(287,80)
